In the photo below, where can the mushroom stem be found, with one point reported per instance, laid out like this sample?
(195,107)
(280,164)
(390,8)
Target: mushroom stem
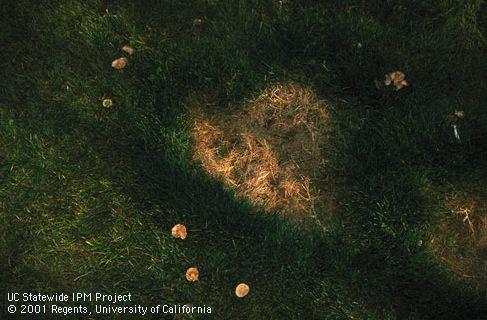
(455,131)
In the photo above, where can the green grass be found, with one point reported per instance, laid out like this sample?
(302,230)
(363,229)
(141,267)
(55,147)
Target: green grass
(89,194)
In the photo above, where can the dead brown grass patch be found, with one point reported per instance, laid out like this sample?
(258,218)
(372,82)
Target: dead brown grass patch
(271,150)
(461,239)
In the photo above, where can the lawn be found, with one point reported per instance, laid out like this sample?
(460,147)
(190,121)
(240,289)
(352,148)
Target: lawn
(89,194)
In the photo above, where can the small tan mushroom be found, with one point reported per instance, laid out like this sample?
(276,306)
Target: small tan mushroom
(128,49)
(397,78)
(401,84)
(107,103)
(459,114)
(197,22)
(119,63)
(179,231)
(242,290)
(192,274)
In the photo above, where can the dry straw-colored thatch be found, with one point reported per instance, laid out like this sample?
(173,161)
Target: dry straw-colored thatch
(271,150)
(461,239)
